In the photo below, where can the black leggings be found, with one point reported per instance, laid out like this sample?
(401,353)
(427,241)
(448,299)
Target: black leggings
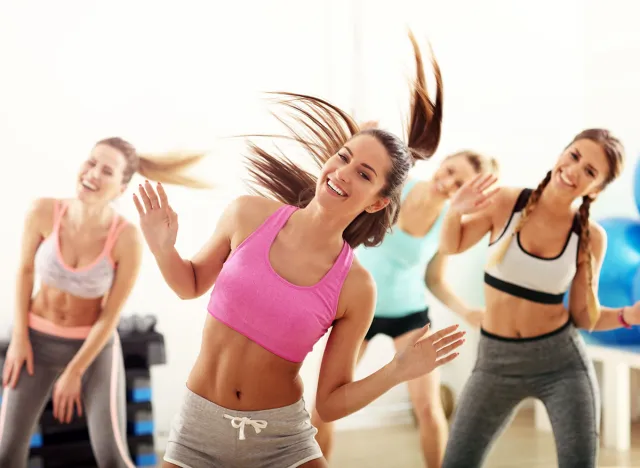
(553,368)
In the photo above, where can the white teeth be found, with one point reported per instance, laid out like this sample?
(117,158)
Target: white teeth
(335,189)
(88,185)
(565,180)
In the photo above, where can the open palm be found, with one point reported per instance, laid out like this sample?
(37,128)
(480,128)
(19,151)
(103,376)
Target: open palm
(159,223)
(423,354)
(474,194)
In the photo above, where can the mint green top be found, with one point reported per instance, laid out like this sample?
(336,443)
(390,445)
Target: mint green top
(398,267)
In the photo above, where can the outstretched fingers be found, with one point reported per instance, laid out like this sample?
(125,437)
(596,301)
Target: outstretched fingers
(485,199)
(486,181)
(446,359)
(164,200)
(153,198)
(448,339)
(474,181)
(144,197)
(445,350)
(440,334)
(139,207)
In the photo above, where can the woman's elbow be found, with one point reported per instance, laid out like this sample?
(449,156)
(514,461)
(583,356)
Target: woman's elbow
(446,249)
(446,246)
(580,321)
(326,416)
(186,295)
(326,413)
(433,282)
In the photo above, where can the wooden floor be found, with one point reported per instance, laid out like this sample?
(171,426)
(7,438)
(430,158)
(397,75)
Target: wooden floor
(521,446)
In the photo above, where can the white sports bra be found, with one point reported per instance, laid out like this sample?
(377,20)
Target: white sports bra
(522,274)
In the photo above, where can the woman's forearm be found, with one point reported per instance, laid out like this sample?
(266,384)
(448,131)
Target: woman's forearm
(451,233)
(178,273)
(100,333)
(24,289)
(441,291)
(354,396)
(608,319)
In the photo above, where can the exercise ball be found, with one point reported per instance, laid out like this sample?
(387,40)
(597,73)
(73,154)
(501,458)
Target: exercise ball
(448,403)
(636,184)
(447,399)
(635,287)
(622,258)
(609,295)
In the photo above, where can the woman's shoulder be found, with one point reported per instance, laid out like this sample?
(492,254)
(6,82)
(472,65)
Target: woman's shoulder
(252,208)
(359,288)
(40,214)
(507,197)
(247,213)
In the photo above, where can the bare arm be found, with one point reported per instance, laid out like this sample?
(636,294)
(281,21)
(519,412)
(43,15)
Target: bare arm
(476,202)
(193,278)
(127,254)
(434,279)
(459,235)
(39,213)
(338,395)
(578,296)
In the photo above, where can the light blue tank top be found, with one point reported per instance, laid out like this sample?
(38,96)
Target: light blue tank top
(398,267)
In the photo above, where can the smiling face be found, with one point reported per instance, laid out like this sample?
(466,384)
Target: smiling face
(453,172)
(352,179)
(583,169)
(101,176)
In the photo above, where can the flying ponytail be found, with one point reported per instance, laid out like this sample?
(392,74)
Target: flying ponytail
(320,129)
(168,168)
(425,118)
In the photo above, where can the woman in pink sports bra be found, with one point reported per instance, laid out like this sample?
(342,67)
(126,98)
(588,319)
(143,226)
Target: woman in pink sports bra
(284,273)
(64,338)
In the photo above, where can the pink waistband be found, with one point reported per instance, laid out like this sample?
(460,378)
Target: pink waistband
(43,325)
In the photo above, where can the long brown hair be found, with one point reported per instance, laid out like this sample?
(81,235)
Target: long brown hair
(321,129)
(167,168)
(614,152)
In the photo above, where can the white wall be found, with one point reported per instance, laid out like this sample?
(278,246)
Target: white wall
(612,74)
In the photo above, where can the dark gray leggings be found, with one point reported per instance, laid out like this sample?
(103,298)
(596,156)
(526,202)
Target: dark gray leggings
(553,368)
(103,401)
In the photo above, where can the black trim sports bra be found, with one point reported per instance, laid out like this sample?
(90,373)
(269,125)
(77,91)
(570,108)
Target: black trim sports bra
(528,276)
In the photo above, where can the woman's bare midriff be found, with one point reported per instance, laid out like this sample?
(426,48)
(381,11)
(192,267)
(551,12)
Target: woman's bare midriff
(238,374)
(64,309)
(512,317)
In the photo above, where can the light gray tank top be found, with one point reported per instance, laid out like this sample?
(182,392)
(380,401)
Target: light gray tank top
(88,282)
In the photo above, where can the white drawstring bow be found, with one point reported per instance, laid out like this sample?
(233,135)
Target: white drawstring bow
(239,423)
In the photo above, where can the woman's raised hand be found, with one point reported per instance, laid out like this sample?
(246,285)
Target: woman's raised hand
(159,223)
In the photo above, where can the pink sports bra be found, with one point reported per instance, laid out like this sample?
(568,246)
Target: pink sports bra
(88,282)
(251,298)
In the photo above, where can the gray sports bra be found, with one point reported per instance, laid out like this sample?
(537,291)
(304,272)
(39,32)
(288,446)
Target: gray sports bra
(90,281)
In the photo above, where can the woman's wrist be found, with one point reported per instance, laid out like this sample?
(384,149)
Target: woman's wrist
(20,333)
(393,372)
(622,319)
